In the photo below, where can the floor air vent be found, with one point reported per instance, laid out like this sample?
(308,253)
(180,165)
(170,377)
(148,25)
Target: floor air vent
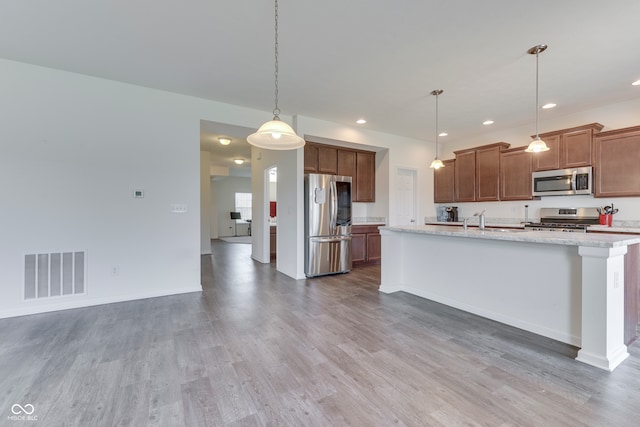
(54,274)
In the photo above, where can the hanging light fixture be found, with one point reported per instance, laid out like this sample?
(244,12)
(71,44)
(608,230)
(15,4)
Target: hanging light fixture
(437,163)
(276,134)
(537,145)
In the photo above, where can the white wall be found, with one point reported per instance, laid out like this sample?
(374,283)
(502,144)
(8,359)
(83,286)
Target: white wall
(73,148)
(392,152)
(225,202)
(614,116)
(289,238)
(205,203)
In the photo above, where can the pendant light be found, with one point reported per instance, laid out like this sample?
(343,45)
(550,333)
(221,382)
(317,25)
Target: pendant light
(537,145)
(276,134)
(437,163)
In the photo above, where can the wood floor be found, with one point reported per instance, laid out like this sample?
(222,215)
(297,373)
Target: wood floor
(257,348)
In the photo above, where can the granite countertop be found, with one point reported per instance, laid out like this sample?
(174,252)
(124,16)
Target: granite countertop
(600,240)
(504,224)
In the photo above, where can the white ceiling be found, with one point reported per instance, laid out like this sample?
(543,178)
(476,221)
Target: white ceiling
(341,60)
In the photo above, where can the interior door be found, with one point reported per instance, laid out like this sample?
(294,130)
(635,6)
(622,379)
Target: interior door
(406,196)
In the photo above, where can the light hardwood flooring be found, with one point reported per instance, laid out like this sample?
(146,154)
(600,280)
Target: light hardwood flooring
(257,348)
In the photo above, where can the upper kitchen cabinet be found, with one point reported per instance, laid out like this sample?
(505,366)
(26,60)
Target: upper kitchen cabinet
(365,190)
(568,148)
(310,158)
(617,160)
(360,165)
(444,190)
(347,167)
(477,173)
(465,176)
(327,159)
(515,174)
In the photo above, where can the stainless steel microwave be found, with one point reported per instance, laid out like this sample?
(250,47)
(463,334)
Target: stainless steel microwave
(562,182)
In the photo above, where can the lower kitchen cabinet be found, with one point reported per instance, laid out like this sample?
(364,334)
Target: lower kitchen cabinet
(272,242)
(365,244)
(631,293)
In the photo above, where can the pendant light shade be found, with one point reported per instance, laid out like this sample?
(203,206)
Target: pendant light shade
(437,163)
(276,134)
(537,145)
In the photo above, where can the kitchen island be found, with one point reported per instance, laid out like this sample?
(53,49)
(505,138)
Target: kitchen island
(565,286)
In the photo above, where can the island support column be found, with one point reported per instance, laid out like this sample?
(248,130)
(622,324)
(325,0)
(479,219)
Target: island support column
(602,343)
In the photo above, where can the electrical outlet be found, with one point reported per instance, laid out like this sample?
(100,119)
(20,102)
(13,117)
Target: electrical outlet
(115,270)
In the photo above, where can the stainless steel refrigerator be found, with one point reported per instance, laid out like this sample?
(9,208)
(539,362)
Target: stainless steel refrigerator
(327,223)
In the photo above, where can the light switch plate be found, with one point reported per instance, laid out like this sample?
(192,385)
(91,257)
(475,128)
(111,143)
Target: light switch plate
(178,208)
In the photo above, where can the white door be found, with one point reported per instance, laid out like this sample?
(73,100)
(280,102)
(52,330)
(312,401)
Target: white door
(406,196)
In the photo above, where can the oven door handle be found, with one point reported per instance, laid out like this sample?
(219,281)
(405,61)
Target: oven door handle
(573,180)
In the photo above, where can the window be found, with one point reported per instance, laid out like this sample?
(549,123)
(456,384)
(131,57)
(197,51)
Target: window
(243,205)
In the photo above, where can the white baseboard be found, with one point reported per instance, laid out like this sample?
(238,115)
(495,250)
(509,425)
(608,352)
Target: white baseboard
(88,302)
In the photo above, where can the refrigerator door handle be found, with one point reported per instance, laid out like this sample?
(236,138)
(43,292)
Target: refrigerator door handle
(329,239)
(334,206)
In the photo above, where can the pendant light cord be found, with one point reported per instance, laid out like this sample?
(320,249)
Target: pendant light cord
(437,95)
(537,108)
(276,110)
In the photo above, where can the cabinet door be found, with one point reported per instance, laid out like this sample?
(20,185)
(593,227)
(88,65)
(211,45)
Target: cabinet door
(444,183)
(366,177)
(358,247)
(465,176)
(576,149)
(515,175)
(327,160)
(347,167)
(310,158)
(548,160)
(488,174)
(616,170)
(374,247)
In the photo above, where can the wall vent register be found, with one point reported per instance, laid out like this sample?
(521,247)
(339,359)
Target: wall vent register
(54,274)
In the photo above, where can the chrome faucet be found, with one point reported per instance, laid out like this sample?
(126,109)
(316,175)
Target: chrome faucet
(480,215)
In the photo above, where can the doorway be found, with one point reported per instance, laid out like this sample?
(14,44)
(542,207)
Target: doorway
(406,195)
(272,200)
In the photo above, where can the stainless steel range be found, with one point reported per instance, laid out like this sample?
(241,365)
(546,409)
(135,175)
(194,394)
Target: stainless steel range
(565,219)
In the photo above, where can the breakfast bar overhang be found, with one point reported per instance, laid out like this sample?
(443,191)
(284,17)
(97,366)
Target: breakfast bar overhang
(565,286)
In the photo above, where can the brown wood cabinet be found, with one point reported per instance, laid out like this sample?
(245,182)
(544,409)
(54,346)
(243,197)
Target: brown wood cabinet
(327,159)
(365,190)
(272,242)
(477,173)
(631,293)
(515,174)
(365,244)
(310,158)
(444,190)
(465,176)
(347,167)
(568,148)
(360,165)
(617,160)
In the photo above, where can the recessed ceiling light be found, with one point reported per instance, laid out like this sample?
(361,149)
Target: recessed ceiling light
(487,122)
(443,134)
(549,105)
(361,121)
(636,83)
(238,161)
(224,141)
